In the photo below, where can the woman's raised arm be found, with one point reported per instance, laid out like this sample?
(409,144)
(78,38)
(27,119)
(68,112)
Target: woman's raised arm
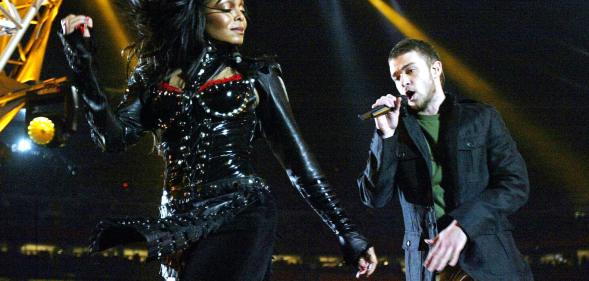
(112,131)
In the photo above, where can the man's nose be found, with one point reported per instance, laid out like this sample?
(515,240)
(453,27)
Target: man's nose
(404,79)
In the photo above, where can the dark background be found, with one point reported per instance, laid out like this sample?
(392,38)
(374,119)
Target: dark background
(334,60)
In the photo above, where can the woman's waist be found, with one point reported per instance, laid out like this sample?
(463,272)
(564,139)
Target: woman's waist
(228,189)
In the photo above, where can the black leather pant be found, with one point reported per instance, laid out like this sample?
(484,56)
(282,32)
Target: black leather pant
(240,251)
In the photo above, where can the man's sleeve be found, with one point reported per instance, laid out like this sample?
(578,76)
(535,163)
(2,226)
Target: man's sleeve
(508,187)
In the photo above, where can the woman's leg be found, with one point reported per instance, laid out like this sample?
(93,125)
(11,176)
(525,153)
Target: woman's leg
(240,251)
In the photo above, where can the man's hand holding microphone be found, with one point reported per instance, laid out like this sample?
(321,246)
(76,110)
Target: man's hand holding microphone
(387,123)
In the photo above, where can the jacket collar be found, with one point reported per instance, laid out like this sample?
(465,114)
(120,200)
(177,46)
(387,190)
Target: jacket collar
(449,103)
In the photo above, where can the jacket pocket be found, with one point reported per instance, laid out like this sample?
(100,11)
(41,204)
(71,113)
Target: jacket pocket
(472,157)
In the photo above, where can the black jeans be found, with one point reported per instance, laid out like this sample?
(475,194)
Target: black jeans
(240,251)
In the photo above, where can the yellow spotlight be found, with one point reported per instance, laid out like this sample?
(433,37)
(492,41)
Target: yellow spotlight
(41,130)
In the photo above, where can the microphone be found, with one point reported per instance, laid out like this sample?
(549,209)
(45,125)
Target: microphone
(375,112)
(383,109)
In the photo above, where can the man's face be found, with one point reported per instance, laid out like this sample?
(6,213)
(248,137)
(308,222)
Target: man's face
(413,78)
(226,20)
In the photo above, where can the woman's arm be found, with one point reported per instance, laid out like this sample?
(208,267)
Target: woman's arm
(287,144)
(112,131)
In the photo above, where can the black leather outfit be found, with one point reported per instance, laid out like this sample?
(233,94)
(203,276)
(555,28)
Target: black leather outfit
(205,138)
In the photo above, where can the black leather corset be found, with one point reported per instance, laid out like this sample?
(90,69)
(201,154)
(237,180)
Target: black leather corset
(208,136)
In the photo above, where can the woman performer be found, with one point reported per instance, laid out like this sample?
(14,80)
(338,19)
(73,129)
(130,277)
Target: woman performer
(205,104)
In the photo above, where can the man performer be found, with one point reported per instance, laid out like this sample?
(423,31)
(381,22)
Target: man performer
(456,170)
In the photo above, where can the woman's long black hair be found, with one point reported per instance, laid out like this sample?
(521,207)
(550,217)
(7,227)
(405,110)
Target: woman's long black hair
(170,35)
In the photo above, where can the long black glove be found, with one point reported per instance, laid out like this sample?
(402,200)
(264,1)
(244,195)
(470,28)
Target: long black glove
(111,131)
(285,140)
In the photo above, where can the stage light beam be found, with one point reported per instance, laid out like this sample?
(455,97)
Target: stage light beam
(121,39)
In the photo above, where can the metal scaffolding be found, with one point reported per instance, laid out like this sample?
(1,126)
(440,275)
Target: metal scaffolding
(25,27)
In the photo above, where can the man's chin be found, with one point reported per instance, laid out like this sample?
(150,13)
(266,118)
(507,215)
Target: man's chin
(413,105)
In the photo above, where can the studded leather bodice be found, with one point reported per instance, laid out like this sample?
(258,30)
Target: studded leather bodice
(210,142)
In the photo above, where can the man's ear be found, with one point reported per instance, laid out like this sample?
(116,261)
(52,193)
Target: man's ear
(436,69)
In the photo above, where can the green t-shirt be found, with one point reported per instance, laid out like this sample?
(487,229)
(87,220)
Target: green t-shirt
(431,128)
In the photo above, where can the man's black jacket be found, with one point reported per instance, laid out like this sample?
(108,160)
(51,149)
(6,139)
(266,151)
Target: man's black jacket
(484,177)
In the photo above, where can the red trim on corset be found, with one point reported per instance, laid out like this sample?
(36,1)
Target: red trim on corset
(210,83)
(168,87)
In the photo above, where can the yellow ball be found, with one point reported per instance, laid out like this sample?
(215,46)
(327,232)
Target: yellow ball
(41,130)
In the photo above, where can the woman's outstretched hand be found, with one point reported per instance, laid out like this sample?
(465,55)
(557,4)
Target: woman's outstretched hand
(76,22)
(367,263)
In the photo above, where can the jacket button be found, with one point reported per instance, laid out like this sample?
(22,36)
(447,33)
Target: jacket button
(469,144)
(408,243)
